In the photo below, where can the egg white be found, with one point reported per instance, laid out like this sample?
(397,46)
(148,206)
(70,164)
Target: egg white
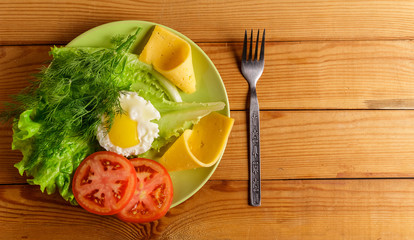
(141,111)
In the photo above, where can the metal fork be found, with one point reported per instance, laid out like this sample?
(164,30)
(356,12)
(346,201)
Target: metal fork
(252,69)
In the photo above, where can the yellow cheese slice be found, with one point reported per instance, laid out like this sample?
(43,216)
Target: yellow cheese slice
(171,56)
(200,147)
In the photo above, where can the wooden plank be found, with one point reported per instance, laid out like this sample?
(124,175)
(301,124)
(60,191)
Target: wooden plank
(323,209)
(298,75)
(325,144)
(8,158)
(47,21)
(303,144)
(17,66)
(324,75)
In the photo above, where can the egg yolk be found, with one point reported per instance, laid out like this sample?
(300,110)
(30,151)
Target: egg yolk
(123,132)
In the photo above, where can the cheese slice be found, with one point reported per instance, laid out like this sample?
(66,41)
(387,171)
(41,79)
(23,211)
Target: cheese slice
(171,56)
(200,147)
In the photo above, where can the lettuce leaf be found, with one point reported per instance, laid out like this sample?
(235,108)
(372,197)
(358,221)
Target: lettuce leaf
(177,117)
(52,169)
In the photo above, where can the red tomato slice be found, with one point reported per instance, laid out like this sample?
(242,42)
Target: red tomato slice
(153,195)
(104,183)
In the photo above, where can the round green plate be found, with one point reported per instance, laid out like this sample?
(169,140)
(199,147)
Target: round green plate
(210,88)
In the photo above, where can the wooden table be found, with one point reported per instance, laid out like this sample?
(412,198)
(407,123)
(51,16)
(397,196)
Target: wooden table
(337,119)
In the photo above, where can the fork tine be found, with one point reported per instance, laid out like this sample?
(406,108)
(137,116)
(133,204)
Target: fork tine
(251,42)
(257,44)
(244,46)
(263,46)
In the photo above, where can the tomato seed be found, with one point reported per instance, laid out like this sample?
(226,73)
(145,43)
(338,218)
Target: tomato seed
(86,181)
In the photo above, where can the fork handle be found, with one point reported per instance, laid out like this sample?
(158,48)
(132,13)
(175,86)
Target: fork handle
(254,150)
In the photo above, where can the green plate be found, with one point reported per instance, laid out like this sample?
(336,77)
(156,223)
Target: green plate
(210,88)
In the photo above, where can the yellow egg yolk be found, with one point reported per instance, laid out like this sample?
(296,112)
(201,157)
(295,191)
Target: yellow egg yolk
(123,132)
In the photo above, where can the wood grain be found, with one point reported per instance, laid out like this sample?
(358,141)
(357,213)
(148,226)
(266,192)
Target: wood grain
(298,75)
(334,209)
(325,144)
(302,144)
(48,21)
(17,66)
(337,119)
(324,75)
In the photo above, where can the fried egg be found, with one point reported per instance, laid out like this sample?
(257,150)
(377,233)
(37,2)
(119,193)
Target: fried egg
(132,132)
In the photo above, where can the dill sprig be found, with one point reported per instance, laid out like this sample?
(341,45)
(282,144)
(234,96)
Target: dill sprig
(71,96)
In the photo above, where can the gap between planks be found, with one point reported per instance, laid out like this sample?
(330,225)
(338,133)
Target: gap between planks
(270,180)
(235,42)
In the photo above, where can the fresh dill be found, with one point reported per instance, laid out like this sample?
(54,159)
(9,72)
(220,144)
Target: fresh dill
(68,100)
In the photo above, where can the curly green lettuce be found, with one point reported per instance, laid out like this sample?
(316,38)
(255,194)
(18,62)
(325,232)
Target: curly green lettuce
(51,169)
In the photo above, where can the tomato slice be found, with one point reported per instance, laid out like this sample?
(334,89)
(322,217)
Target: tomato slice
(153,194)
(104,183)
